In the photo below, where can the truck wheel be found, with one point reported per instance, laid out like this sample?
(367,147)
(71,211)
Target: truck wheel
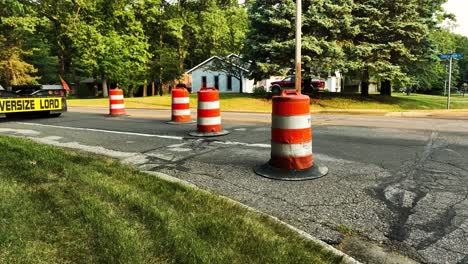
(275,89)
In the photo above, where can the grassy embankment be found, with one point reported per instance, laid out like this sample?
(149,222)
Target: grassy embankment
(325,101)
(59,206)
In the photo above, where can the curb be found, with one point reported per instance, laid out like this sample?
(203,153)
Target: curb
(346,258)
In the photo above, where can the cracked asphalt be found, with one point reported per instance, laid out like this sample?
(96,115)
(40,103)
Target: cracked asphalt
(400,183)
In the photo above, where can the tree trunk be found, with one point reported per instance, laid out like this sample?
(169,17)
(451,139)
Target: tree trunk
(130,91)
(104,88)
(365,82)
(62,65)
(14,80)
(152,88)
(386,87)
(145,88)
(241,88)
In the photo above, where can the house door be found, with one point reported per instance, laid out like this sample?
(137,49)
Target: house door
(229,83)
(203,81)
(216,81)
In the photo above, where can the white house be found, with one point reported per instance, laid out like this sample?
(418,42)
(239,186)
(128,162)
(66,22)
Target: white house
(205,75)
(333,82)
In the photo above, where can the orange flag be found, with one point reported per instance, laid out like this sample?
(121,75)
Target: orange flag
(65,85)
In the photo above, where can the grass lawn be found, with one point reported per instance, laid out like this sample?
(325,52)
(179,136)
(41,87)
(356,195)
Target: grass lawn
(323,101)
(59,206)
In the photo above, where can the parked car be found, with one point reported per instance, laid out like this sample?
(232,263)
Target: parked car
(307,84)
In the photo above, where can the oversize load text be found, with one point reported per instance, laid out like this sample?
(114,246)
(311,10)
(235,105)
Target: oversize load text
(29,104)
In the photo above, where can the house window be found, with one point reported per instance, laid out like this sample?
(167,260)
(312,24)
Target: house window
(229,83)
(216,81)
(203,81)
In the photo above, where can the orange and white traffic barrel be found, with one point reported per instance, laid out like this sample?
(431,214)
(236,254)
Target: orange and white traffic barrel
(180,106)
(208,114)
(116,102)
(291,140)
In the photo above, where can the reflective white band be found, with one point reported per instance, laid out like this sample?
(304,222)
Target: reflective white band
(180,100)
(116,97)
(208,105)
(291,150)
(117,106)
(290,122)
(209,121)
(181,112)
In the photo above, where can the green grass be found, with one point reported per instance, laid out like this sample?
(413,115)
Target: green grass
(59,206)
(323,101)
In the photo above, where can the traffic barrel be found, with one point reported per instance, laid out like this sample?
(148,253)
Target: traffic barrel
(116,102)
(208,114)
(180,106)
(291,140)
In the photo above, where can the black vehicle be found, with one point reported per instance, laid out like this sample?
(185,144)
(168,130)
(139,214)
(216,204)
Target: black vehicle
(49,100)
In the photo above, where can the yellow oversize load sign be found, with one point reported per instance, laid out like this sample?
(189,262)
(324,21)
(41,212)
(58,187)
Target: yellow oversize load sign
(13,105)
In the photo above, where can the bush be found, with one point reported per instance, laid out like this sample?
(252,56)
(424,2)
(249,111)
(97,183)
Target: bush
(260,91)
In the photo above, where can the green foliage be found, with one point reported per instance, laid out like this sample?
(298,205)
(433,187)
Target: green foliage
(16,29)
(270,40)
(127,42)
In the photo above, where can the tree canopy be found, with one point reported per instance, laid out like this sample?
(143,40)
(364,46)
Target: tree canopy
(133,42)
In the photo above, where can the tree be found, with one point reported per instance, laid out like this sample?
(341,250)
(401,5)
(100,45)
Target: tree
(324,24)
(15,28)
(109,42)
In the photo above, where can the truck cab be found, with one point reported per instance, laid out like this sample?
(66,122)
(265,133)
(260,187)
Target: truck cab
(307,84)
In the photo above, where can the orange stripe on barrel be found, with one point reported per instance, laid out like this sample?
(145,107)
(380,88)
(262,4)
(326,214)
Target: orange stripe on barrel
(291,105)
(180,106)
(291,136)
(209,112)
(292,163)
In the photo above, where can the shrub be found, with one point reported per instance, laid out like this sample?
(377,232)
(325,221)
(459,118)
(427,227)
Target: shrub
(260,91)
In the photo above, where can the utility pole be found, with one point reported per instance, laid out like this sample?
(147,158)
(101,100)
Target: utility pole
(449,82)
(445,88)
(298,45)
(450,56)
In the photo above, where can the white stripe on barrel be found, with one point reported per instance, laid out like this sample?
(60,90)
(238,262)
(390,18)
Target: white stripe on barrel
(116,97)
(181,112)
(290,122)
(180,100)
(209,121)
(117,106)
(292,150)
(208,105)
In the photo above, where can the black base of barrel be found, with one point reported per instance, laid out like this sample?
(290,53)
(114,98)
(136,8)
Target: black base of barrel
(268,171)
(209,134)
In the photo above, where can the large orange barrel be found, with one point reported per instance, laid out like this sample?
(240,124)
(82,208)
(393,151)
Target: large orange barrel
(180,106)
(116,102)
(291,140)
(291,132)
(208,113)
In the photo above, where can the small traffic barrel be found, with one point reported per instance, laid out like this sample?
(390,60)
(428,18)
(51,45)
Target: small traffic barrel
(116,102)
(291,140)
(208,114)
(180,106)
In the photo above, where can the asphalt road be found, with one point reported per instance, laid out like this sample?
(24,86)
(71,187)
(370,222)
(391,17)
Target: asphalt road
(399,183)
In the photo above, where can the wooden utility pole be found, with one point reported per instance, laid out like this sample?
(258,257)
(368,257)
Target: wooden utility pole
(298,45)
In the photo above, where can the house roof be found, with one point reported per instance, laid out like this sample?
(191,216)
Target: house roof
(218,58)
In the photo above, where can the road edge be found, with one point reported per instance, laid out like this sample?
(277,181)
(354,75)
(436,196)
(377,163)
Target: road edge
(346,258)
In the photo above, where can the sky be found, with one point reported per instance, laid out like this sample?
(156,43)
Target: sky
(460,9)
